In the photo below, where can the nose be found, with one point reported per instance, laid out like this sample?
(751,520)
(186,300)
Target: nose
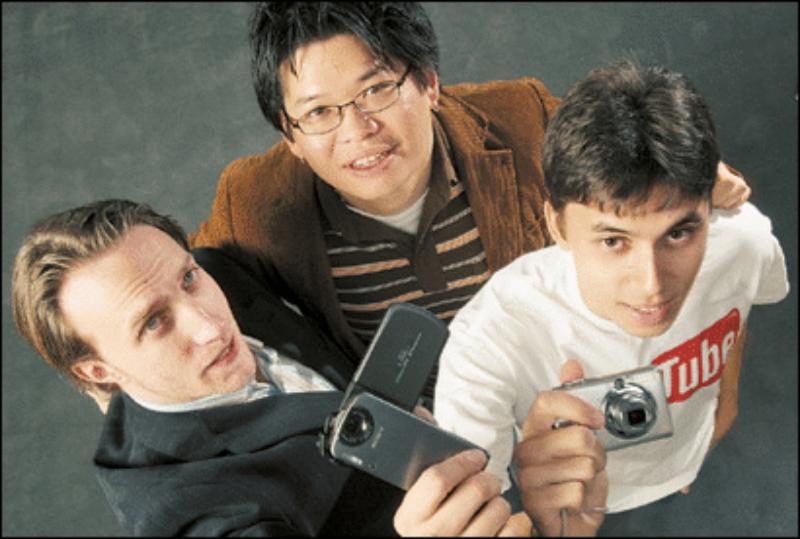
(201,326)
(648,271)
(357,125)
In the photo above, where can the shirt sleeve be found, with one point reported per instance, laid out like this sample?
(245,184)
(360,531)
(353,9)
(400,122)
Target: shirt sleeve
(772,284)
(475,391)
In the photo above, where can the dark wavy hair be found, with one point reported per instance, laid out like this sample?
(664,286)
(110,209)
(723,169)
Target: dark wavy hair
(625,129)
(393,32)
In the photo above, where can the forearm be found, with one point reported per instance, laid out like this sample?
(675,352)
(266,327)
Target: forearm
(728,399)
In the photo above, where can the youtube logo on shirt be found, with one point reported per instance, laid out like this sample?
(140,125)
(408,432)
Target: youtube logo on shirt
(699,361)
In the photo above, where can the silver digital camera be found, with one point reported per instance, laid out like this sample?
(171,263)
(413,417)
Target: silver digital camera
(634,404)
(374,429)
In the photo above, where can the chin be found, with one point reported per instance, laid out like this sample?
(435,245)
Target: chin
(645,331)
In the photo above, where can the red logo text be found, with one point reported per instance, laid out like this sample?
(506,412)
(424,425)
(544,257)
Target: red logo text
(699,361)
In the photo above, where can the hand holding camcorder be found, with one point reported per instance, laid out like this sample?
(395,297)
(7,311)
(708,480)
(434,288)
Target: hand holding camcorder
(374,429)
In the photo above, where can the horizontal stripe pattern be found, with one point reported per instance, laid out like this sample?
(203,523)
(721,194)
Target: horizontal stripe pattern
(370,277)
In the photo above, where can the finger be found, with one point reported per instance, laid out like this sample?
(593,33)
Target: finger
(742,196)
(460,508)
(574,441)
(490,519)
(552,405)
(584,524)
(583,469)
(596,494)
(518,525)
(571,370)
(544,505)
(425,414)
(426,494)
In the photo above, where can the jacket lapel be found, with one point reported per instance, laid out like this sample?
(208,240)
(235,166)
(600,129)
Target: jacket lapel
(239,428)
(489,179)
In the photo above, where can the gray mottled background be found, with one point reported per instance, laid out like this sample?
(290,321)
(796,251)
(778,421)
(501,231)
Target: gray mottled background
(151,101)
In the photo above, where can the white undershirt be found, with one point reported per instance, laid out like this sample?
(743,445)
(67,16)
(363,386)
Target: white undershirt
(406,220)
(285,375)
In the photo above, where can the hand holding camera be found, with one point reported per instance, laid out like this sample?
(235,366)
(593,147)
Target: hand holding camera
(633,404)
(567,433)
(454,497)
(375,431)
(564,467)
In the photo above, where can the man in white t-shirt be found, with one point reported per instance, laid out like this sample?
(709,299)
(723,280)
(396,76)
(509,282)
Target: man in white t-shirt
(643,273)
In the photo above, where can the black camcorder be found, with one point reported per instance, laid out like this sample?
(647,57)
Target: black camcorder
(375,429)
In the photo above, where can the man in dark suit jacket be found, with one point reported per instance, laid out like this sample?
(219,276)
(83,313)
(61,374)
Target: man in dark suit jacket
(206,433)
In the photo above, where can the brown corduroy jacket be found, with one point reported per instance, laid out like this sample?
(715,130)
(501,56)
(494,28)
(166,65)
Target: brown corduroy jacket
(266,211)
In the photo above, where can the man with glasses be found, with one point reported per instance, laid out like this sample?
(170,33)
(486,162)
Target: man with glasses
(385,187)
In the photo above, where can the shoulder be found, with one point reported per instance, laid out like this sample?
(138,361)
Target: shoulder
(543,270)
(498,93)
(276,174)
(521,106)
(742,254)
(524,287)
(744,228)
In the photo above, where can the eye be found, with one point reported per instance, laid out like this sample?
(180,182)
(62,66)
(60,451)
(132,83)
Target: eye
(317,112)
(190,277)
(153,323)
(612,243)
(680,234)
(377,88)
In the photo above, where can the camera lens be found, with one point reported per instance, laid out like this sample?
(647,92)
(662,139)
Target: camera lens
(357,427)
(630,410)
(636,416)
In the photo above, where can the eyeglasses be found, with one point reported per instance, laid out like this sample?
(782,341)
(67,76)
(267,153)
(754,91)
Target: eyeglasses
(374,99)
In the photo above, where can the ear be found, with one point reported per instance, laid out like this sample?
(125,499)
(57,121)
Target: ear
(432,90)
(290,141)
(294,148)
(552,218)
(96,371)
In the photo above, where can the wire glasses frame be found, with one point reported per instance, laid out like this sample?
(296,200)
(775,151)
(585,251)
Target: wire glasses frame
(374,99)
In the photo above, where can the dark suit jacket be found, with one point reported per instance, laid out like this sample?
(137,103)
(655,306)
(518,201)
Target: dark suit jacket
(246,469)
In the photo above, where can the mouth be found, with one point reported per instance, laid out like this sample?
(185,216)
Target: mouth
(225,356)
(650,314)
(370,161)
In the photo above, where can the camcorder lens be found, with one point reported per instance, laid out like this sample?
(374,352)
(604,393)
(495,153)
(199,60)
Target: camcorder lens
(357,427)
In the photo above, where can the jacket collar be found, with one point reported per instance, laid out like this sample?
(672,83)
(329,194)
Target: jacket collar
(134,432)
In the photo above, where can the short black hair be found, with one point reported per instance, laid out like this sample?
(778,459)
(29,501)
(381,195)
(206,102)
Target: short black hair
(624,129)
(393,32)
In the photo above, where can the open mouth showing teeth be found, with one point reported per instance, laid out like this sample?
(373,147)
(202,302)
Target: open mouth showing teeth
(369,161)
(648,309)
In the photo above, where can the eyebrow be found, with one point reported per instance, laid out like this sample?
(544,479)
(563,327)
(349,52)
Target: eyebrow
(152,306)
(364,77)
(691,218)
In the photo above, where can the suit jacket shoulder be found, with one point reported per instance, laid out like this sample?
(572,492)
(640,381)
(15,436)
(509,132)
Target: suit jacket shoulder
(249,468)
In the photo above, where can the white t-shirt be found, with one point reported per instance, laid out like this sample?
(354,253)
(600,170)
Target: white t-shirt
(510,341)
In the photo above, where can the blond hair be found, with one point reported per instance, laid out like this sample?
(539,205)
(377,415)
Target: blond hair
(56,245)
